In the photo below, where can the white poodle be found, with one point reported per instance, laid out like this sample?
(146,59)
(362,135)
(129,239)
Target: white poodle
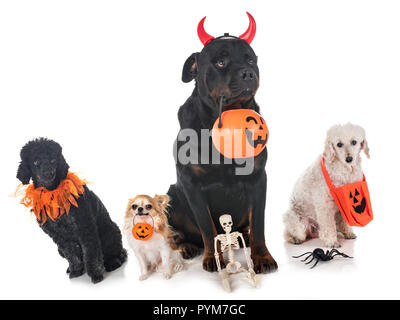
(313,212)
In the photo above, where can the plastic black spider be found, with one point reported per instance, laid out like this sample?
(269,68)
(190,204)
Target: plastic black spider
(319,255)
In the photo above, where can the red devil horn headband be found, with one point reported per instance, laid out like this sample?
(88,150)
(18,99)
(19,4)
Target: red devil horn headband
(248,36)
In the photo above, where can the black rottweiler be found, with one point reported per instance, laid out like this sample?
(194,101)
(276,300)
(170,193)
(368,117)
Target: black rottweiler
(225,69)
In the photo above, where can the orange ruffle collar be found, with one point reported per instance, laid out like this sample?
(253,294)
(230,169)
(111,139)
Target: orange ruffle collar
(54,203)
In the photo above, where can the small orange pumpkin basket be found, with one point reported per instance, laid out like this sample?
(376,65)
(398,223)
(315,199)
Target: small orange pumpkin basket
(142,230)
(352,199)
(240,133)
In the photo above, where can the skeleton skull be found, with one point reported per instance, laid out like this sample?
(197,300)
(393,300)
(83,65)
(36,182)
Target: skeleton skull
(226,222)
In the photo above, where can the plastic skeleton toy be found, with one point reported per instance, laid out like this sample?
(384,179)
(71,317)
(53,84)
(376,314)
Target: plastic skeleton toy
(229,242)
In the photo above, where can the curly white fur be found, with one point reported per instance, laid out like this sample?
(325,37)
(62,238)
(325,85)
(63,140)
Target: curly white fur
(313,212)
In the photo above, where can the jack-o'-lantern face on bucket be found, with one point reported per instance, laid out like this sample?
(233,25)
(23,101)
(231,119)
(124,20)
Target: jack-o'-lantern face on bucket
(359,204)
(142,231)
(352,200)
(244,133)
(256,132)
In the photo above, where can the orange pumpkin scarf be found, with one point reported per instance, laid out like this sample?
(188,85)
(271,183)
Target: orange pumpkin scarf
(54,203)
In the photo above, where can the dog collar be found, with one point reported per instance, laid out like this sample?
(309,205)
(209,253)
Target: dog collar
(53,203)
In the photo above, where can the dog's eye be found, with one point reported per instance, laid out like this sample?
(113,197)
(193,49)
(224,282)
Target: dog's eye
(134,206)
(250,61)
(340,144)
(36,163)
(220,63)
(354,142)
(149,206)
(53,161)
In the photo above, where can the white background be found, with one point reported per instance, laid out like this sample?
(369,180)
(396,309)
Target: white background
(103,79)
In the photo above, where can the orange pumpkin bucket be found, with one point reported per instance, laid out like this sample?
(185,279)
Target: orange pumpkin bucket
(352,199)
(142,230)
(240,133)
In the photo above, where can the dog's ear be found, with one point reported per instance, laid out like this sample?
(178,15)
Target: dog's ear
(329,151)
(128,211)
(24,173)
(62,168)
(364,146)
(190,68)
(162,200)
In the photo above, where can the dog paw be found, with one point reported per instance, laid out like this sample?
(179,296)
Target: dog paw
(75,273)
(144,276)
(295,241)
(112,264)
(178,267)
(188,250)
(115,263)
(264,263)
(349,235)
(210,264)
(332,244)
(97,278)
(167,275)
(292,239)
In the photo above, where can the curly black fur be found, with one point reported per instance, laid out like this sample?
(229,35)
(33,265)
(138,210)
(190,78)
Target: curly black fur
(86,237)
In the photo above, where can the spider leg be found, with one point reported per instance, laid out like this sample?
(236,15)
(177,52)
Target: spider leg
(329,253)
(301,255)
(304,260)
(312,260)
(333,251)
(341,254)
(316,262)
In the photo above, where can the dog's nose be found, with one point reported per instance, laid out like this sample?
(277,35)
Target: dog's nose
(140,209)
(247,75)
(349,159)
(48,172)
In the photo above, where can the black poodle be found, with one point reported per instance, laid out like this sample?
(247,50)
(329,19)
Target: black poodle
(86,236)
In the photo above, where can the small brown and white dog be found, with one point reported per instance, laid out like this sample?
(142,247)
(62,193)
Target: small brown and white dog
(313,212)
(156,253)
